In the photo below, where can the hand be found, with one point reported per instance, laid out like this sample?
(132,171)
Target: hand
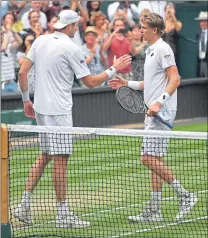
(154,108)
(8,27)
(117,82)
(121,62)
(28,109)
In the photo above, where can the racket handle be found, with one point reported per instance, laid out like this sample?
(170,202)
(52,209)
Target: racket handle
(170,125)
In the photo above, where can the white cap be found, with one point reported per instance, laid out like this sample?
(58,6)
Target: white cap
(65,18)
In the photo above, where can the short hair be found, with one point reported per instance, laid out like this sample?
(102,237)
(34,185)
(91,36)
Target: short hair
(31,12)
(154,20)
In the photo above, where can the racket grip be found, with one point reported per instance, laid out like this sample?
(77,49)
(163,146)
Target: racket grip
(170,125)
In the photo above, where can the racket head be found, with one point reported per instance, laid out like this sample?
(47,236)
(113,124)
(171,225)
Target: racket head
(130,100)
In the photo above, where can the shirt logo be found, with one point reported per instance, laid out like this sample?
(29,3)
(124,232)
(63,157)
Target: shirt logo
(167,56)
(163,96)
(152,54)
(81,61)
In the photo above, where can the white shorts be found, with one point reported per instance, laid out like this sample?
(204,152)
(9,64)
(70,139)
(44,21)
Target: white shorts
(55,144)
(155,146)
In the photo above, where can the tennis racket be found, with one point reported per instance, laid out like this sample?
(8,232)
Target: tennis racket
(132,101)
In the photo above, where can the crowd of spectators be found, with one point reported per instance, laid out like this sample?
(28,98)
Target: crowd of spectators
(101,36)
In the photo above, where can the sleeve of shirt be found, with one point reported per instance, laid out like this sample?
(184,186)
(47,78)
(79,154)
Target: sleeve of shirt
(31,53)
(166,57)
(78,64)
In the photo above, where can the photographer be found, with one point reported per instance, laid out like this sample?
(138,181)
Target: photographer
(130,9)
(118,44)
(23,50)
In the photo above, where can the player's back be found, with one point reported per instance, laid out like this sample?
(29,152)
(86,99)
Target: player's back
(54,74)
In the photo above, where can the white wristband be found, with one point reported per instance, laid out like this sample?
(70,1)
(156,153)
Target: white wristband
(163,98)
(25,96)
(134,85)
(111,72)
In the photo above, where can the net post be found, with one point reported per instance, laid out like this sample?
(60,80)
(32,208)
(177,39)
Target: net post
(5,225)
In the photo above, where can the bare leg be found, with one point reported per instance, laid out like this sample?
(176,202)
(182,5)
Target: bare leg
(59,176)
(162,171)
(37,171)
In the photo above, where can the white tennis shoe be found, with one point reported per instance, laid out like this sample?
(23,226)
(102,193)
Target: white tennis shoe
(70,221)
(187,202)
(23,214)
(151,213)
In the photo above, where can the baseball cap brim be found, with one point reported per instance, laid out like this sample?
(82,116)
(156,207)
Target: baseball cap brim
(58,25)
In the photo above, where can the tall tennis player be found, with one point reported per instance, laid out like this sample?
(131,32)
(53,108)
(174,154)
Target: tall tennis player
(56,59)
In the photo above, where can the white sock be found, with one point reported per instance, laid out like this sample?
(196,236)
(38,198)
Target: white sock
(26,199)
(62,208)
(156,198)
(179,189)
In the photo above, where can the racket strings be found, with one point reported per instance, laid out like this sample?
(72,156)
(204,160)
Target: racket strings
(131,100)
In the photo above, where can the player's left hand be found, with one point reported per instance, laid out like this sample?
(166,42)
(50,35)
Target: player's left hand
(154,109)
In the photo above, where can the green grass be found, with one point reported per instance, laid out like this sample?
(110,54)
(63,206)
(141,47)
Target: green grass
(202,127)
(107,183)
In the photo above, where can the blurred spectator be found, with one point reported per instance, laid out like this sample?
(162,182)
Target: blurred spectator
(84,18)
(172,27)
(51,22)
(52,9)
(142,14)
(8,84)
(154,6)
(14,40)
(122,12)
(20,5)
(131,10)
(92,7)
(139,59)
(17,25)
(35,26)
(23,50)
(4,8)
(94,55)
(99,21)
(35,6)
(117,44)
(202,38)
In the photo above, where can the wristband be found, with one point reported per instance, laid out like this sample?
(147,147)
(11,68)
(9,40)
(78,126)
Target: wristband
(134,85)
(111,72)
(25,96)
(163,98)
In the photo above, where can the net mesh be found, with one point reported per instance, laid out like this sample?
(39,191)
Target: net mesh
(106,182)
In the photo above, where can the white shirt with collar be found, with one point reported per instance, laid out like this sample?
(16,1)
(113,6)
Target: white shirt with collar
(25,21)
(159,56)
(202,55)
(56,58)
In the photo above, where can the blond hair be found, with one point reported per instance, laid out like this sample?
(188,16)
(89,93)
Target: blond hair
(154,20)
(95,16)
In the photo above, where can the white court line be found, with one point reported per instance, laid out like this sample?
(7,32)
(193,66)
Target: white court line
(161,226)
(105,211)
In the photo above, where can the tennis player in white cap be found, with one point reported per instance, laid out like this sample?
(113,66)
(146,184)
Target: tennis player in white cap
(56,59)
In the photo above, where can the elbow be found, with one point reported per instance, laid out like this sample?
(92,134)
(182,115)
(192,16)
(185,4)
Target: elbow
(178,81)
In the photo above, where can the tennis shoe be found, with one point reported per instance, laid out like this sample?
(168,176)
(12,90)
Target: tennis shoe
(151,213)
(70,221)
(23,214)
(187,202)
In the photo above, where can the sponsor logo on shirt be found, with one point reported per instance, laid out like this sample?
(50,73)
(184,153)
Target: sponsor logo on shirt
(81,61)
(167,56)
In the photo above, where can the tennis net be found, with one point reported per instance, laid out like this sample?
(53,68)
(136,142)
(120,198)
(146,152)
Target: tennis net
(106,182)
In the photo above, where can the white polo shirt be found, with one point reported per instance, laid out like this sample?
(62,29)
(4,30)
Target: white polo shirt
(159,56)
(56,58)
